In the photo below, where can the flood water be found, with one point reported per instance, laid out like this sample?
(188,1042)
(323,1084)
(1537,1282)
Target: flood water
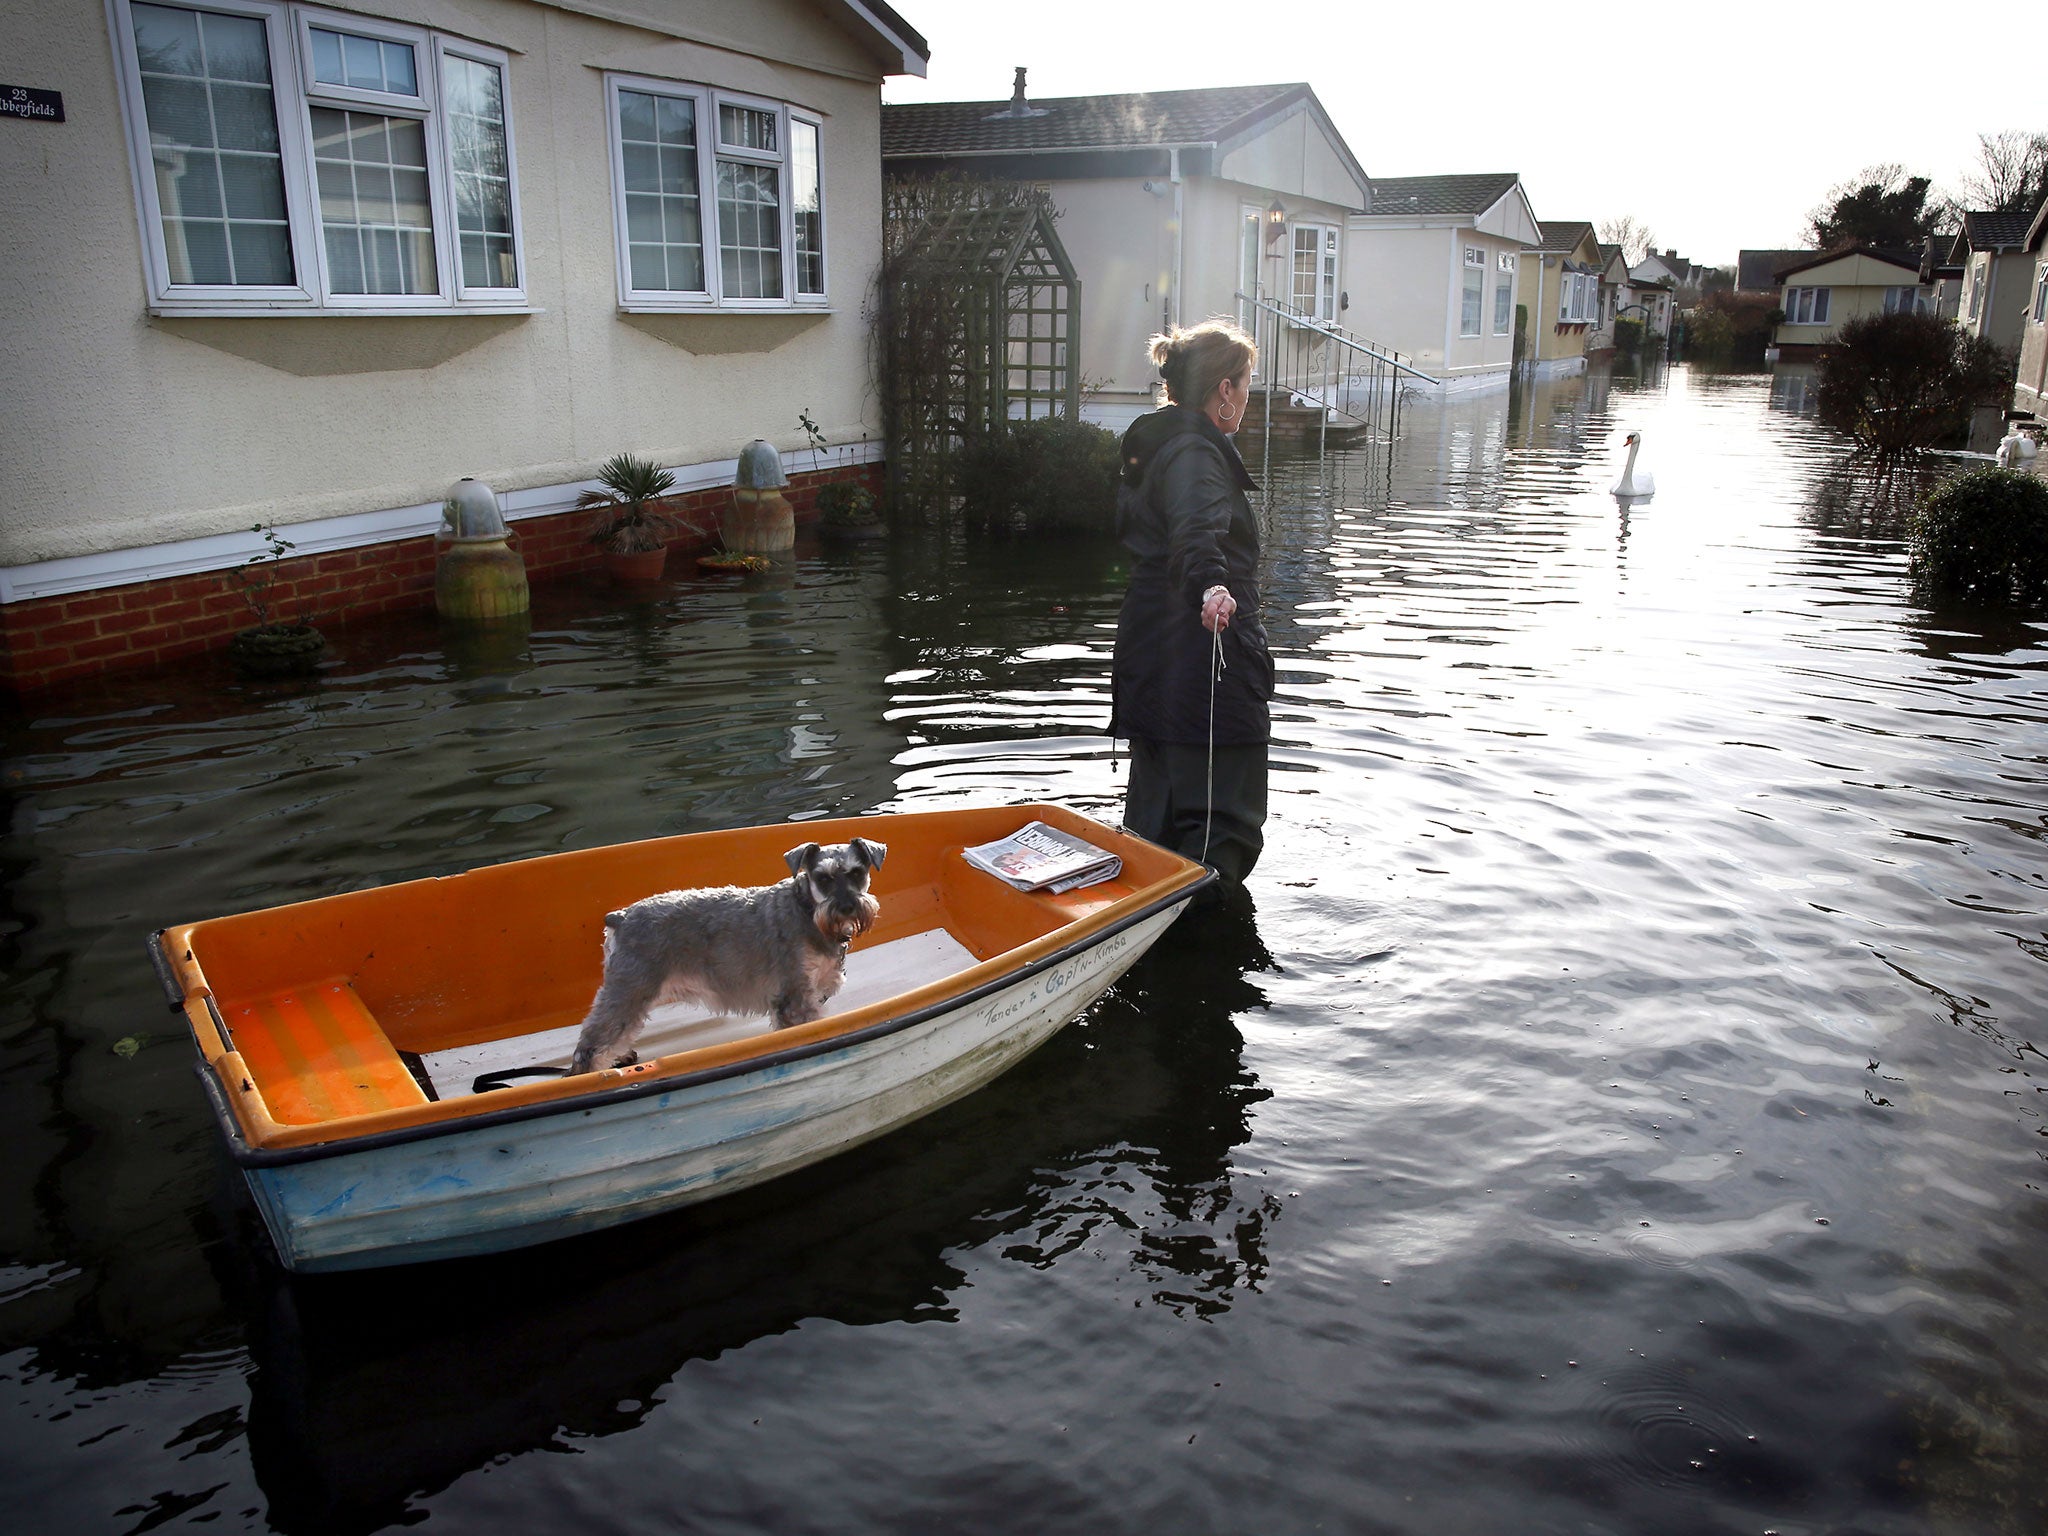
(1621,1115)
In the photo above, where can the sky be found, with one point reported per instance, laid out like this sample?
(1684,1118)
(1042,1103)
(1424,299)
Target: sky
(1718,137)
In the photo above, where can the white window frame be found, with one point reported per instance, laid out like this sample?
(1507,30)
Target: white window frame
(1472,270)
(1814,302)
(1326,268)
(1504,296)
(706,100)
(2041,294)
(287,36)
(1572,308)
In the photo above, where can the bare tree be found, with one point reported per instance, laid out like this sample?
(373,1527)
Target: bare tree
(2011,174)
(1633,237)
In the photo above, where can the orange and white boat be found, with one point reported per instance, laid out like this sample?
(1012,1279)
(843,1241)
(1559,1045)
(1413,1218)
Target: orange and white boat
(381,1062)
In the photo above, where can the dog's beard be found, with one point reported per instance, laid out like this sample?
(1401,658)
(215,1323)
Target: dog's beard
(843,927)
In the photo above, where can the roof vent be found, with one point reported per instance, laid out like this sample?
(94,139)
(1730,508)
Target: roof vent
(1018,106)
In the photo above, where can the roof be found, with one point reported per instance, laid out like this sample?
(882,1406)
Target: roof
(1142,119)
(1996,231)
(1424,196)
(905,48)
(1756,271)
(1910,260)
(1562,237)
(1943,255)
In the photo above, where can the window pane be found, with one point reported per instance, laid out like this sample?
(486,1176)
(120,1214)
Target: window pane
(262,253)
(1503,307)
(807,197)
(206,85)
(750,230)
(1472,297)
(372,185)
(746,128)
(235,48)
(482,179)
(664,218)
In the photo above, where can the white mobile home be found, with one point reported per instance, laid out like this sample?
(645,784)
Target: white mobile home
(1433,270)
(305,265)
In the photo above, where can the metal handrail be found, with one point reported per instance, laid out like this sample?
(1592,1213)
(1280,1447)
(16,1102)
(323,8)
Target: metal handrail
(1303,320)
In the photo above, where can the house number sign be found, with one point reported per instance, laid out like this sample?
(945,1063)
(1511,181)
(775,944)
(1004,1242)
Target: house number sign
(20,101)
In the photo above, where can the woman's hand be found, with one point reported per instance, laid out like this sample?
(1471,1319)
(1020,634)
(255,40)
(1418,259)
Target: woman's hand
(1217,608)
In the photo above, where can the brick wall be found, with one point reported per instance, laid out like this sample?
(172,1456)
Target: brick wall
(59,639)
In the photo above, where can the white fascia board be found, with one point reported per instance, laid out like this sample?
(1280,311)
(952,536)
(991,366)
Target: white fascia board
(913,62)
(326,535)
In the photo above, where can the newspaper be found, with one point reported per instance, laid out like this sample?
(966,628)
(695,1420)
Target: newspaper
(1038,858)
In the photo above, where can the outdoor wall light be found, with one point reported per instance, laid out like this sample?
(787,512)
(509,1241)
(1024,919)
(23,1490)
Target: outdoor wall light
(1276,222)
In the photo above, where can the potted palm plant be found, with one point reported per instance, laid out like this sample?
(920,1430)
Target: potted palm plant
(275,646)
(628,526)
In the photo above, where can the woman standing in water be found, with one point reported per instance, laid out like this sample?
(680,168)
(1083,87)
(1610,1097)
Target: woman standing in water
(1198,734)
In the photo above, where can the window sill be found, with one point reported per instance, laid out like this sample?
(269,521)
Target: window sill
(310,312)
(769,311)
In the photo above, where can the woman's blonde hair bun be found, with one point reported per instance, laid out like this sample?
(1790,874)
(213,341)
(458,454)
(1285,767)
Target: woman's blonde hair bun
(1192,362)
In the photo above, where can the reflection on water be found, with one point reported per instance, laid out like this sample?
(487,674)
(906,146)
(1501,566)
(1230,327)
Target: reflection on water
(1623,1111)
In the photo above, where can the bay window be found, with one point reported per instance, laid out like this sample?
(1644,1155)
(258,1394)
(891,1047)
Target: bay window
(293,159)
(718,198)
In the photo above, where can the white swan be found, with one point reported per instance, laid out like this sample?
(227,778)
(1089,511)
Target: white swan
(1635,483)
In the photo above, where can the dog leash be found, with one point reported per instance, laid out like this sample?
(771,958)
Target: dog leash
(1216,668)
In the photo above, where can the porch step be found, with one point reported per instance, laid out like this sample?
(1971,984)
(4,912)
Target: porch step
(1295,423)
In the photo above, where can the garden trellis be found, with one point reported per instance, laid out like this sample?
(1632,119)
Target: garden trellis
(980,316)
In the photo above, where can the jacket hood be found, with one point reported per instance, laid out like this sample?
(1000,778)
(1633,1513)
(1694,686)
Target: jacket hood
(1153,431)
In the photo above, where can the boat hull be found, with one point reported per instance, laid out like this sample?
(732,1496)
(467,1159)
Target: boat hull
(484,1186)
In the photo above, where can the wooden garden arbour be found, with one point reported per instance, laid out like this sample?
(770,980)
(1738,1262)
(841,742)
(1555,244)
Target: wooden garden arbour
(984,313)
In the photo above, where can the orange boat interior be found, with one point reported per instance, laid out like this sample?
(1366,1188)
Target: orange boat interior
(320,1003)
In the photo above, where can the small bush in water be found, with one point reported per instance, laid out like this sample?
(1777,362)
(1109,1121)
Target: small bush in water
(1050,475)
(1984,535)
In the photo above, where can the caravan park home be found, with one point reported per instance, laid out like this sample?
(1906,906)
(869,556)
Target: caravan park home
(2030,389)
(1997,273)
(1170,205)
(1561,284)
(1432,271)
(306,265)
(1825,292)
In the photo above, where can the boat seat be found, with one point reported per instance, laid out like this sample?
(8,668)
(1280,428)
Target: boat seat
(316,1054)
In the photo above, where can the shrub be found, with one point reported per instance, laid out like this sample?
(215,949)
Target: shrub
(1628,337)
(1984,536)
(846,504)
(1902,384)
(1730,328)
(1047,475)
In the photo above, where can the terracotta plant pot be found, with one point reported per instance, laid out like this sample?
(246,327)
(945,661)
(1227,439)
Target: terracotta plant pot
(278,650)
(636,565)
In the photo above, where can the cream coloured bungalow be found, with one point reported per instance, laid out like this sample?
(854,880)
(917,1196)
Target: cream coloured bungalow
(1822,294)
(1171,204)
(307,264)
(1561,278)
(1433,270)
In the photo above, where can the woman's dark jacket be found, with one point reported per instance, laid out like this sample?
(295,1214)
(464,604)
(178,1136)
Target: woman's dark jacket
(1183,514)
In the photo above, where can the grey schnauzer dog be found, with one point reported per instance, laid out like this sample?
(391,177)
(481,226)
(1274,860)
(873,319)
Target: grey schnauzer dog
(775,949)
